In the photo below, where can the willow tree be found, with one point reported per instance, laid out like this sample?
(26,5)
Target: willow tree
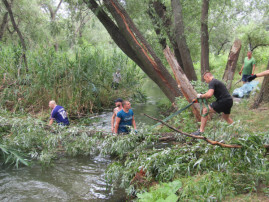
(16,28)
(129,39)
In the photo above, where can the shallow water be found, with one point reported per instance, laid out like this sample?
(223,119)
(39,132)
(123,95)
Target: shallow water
(70,179)
(73,179)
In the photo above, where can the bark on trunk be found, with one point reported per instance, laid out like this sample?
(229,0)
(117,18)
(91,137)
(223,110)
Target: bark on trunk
(204,39)
(8,7)
(166,22)
(130,40)
(231,64)
(3,25)
(181,40)
(264,93)
(183,82)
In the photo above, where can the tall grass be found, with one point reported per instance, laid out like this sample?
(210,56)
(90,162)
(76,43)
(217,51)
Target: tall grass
(80,81)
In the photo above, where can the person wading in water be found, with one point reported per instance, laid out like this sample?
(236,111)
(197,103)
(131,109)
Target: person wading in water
(118,103)
(125,118)
(58,113)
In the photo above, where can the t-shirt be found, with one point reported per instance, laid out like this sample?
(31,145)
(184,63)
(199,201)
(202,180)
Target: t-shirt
(248,65)
(59,114)
(126,120)
(220,90)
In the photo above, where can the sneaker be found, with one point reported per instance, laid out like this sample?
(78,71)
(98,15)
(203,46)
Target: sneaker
(197,133)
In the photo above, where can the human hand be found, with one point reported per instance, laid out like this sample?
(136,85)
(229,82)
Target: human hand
(252,77)
(199,95)
(195,100)
(135,131)
(240,73)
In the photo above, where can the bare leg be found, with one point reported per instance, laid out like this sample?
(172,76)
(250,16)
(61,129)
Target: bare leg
(227,118)
(204,119)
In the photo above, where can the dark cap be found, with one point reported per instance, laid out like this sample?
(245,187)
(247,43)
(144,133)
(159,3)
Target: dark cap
(118,100)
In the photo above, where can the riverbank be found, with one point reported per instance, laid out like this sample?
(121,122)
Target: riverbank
(204,171)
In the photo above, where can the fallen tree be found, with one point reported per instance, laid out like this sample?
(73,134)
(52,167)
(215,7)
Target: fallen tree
(212,142)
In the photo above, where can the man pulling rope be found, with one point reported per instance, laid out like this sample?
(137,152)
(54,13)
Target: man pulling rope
(223,103)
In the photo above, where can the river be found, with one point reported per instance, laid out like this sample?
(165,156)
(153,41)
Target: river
(71,179)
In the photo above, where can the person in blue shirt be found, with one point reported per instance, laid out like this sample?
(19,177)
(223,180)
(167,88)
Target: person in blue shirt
(58,113)
(125,118)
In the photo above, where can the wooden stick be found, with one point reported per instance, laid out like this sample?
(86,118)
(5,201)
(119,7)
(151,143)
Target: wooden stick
(195,136)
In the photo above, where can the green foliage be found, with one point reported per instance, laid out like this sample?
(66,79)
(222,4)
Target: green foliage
(223,171)
(161,193)
(81,82)
(11,156)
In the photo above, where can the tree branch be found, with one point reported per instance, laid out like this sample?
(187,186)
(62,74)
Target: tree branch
(212,142)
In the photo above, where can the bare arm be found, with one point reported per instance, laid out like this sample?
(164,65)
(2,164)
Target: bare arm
(133,123)
(117,124)
(51,122)
(241,68)
(265,73)
(208,94)
(112,121)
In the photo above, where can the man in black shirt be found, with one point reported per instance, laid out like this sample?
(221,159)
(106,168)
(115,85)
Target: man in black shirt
(223,103)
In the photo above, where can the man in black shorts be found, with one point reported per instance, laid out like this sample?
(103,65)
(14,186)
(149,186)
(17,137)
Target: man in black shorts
(223,103)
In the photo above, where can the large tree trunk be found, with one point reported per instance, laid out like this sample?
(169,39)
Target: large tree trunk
(8,7)
(204,39)
(181,40)
(183,82)
(264,93)
(133,44)
(160,10)
(231,64)
(3,25)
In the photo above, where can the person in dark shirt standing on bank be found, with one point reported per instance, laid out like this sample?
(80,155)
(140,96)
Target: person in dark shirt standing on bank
(223,103)
(125,118)
(58,113)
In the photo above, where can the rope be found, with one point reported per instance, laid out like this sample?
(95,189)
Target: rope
(203,101)
(200,100)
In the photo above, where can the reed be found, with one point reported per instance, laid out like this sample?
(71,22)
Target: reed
(79,80)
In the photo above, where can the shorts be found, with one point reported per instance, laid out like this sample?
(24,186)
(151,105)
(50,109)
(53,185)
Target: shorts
(223,105)
(245,77)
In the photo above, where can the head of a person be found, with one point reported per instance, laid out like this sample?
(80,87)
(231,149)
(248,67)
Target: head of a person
(249,54)
(118,70)
(126,104)
(208,77)
(118,102)
(52,104)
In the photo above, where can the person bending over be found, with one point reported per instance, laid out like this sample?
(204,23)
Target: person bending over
(125,118)
(58,113)
(118,103)
(223,103)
